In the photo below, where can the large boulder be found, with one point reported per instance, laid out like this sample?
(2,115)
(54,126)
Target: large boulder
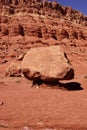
(47,64)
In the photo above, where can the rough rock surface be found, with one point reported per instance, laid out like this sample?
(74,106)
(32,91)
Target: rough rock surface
(13,70)
(41,7)
(47,64)
(31,23)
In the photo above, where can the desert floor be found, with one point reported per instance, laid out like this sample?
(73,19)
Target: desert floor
(23,107)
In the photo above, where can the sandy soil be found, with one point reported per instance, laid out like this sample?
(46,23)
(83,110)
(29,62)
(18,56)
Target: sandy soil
(26,108)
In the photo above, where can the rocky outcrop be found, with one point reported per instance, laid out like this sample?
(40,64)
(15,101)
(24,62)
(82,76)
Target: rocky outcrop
(43,7)
(61,34)
(47,63)
(29,23)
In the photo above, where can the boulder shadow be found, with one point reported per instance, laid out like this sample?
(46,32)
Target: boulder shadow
(71,86)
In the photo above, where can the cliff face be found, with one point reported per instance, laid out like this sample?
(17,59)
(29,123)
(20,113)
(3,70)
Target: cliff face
(41,19)
(30,23)
(42,7)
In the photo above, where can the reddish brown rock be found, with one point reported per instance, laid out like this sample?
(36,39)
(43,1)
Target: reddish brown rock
(62,34)
(13,70)
(54,5)
(47,64)
(28,24)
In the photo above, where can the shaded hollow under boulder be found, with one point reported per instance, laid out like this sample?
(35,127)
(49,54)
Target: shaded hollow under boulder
(47,64)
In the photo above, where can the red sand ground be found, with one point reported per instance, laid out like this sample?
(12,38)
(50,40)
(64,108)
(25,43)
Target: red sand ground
(26,108)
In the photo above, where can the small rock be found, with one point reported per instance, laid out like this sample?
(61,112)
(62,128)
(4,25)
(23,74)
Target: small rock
(21,56)
(1,103)
(26,128)
(40,123)
(4,61)
(13,70)
(3,125)
(37,87)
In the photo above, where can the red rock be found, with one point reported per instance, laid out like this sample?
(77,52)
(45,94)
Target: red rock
(47,63)
(26,23)
(13,70)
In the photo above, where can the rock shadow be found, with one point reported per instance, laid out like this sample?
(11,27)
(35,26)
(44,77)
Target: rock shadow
(70,86)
